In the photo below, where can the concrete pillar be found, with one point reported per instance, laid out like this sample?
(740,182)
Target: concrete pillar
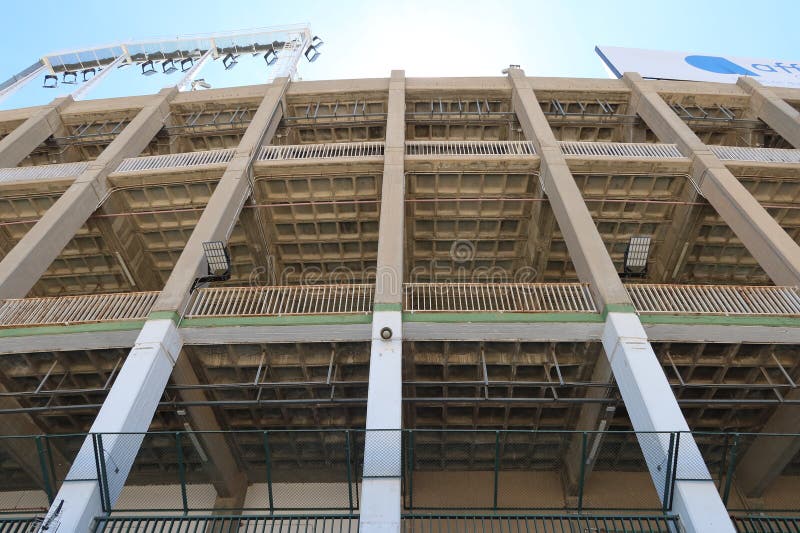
(26,137)
(29,259)
(772,247)
(133,399)
(640,378)
(381,485)
(778,115)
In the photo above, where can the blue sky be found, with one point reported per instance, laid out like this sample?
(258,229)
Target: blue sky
(426,38)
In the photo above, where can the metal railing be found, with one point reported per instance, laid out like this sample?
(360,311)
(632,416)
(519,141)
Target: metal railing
(64,310)
(499,297)
(282,300)
(321,151)
(169,161)
(761,155)
(766,524)
(42,172)
(470,148)
(20,525)
(245,523)
(715,299)
(607,149)
(551,523)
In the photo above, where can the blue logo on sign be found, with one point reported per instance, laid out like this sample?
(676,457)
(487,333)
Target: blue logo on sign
(719,65)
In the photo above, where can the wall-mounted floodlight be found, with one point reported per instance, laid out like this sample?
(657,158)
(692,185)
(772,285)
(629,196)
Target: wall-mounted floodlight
(186,64)
(316,42)
(50,81)
(168,66)
(148,68)
(69,77)
(86,72)
(200,83)
(219,264)
(635,262)
(229,61)
(311,54)
(271,56)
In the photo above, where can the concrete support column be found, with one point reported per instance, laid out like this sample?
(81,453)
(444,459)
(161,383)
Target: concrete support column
(133,399)
(640,378)
(778,115)
(17,145)
(381,485)
(29,259)
(772,247)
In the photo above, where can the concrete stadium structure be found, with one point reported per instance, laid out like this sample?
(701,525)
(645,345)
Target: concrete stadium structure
(436,316)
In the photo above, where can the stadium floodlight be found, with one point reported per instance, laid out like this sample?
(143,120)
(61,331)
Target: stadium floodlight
(201,83)
(316,42)
(218,261)
(86,72)
(271,56)
(148,69)
(186,64)
(50,81)
(168,66)
(635,261)
(229,61)
(311,54)
(69,77)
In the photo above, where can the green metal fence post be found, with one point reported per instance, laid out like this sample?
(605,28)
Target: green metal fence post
(410,470)
(43,465)
(349,475)
(668,481)
(729,474)
(496,467)
(268,461)
(181,471)
(103,473)
(582,479)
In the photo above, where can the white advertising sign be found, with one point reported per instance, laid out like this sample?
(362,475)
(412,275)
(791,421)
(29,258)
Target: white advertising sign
(662,65)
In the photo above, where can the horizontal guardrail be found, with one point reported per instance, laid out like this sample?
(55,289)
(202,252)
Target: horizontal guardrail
(42,172)
(556,523)
(470,148)
(499,297)
(604,149)
(715,299)
(766,524)
(188,159)
(321,151)
(282,300)
(313,523)
(26,312)
(761,155)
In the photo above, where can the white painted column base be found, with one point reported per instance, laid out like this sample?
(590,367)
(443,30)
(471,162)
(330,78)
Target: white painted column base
(381,499)
(128,408)
(652,406)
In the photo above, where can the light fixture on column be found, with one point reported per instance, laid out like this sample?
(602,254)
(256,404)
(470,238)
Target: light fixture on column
(186,64)
(311,53)
(86,72)
(168,66)
(218,261)
(148,69)
(635,261)
(50,81)
(271,56)
(316,42)
(229,61)
(200,83)
(69,77)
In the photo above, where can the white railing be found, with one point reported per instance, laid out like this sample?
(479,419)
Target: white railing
(283,300)
(76,309)
(321,151)
(715,299)
(648,150)
(43,172)
(761,155)
(469,148)
(189,159)
(498,297)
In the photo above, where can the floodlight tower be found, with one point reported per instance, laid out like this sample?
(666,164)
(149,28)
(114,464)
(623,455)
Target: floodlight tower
(282,48)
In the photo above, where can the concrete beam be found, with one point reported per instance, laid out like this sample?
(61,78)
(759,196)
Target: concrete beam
(29,259)
(382,474)
(778,114)
(18,144)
